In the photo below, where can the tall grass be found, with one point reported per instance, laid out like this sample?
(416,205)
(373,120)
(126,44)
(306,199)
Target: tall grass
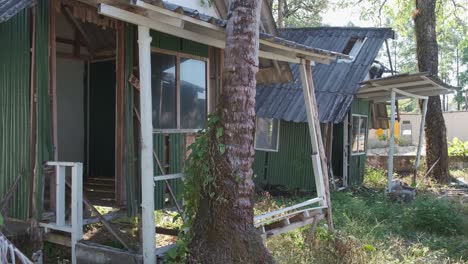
(372,229)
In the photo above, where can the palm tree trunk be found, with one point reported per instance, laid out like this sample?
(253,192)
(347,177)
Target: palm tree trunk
(224,232)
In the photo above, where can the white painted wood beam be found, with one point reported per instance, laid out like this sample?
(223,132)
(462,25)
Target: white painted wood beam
(147,169)
(375,87)
(316,162)
(391,147)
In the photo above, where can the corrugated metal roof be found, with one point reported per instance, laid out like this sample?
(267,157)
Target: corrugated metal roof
(9,8)
(335,84)
(283,41)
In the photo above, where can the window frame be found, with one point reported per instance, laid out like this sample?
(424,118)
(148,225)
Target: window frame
(364,39)
(178,56)
(277,138)
(358,153)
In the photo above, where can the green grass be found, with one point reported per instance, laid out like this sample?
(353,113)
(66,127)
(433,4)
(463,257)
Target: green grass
(372,229)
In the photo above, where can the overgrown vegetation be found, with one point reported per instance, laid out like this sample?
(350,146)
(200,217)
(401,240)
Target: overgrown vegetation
(458,147)
(199,181)
(372,229)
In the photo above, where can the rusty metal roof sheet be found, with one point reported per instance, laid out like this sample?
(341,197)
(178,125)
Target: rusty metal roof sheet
(335,84)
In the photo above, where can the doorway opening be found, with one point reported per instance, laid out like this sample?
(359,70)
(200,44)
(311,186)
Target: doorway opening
(85,111)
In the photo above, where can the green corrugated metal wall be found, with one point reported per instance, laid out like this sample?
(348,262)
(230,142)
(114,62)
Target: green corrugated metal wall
(43,108)
(291,166)
(14,111)
(357,163)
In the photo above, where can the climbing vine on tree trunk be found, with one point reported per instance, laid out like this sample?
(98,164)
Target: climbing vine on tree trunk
(218,186)
(427,53)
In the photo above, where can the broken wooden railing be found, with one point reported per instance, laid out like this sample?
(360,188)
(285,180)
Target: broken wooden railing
(75,228)
(289,218)
(11,254)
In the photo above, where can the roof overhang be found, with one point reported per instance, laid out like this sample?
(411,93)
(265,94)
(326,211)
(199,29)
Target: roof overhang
(418,85)
(211,31)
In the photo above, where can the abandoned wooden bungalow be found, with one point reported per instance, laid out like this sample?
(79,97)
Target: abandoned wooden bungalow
(100,98)
(281,142)
(352,95)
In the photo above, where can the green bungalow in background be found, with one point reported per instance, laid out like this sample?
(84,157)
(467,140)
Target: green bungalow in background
(282,144)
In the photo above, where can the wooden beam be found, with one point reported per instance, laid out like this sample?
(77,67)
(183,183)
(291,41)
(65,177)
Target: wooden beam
(53,92)
(398,91)
(375,87)
(120,117)
(321,149)
(32,116)
(80,29)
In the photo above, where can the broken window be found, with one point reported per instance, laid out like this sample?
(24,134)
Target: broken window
(267,134)
(359,130)
(353,46)
(179,86)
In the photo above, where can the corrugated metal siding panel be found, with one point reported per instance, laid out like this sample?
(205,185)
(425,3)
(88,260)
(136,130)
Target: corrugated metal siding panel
(14,111)
(43,108)
(176,160)
(357,163)
(291,166)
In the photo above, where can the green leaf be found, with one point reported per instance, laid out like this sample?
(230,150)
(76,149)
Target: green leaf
(222,148)
(369,248)
(219,132)
(172,253)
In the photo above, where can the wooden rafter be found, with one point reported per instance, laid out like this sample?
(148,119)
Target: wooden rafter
(78,26)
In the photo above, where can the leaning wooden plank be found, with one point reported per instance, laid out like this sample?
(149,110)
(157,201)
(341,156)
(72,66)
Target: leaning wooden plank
(288,228)
(320,145)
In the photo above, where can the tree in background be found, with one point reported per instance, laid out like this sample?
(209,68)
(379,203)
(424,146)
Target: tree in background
(462,95)
(424,16)
(299,13)
(218,185)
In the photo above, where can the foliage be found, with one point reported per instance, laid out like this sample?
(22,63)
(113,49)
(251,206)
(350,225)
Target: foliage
(372,229)
(458,148)
(375,178)
(302,13)
(199,182)
(439,216)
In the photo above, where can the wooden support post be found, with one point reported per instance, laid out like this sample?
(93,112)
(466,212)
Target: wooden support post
(421,131)
(147,173)
(120,118)
(391,148)
(77,207)
(323,158)
(345,150)
(318,162)
(60,197)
